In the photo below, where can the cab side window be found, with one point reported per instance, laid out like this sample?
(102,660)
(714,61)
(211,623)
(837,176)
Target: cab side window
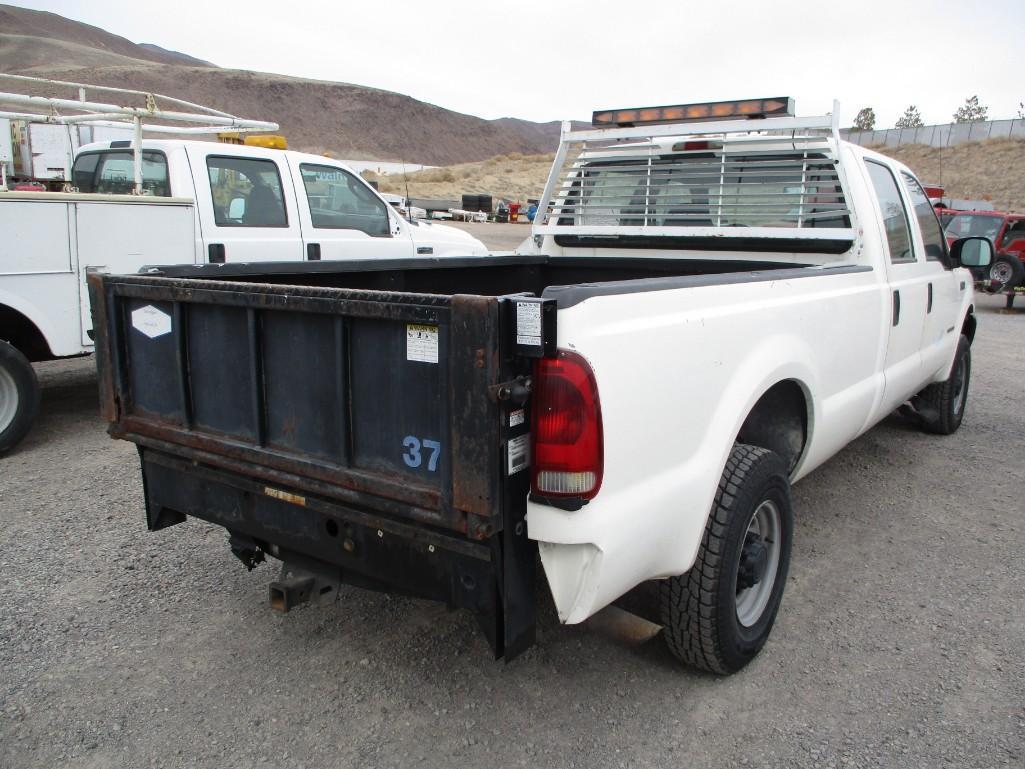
(895,218)
(339,201)
(113,173)
(932,235)
(1014,236)
(246,192)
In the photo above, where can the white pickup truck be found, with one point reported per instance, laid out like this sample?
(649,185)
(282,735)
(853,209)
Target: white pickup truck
(204,202)
(716,299)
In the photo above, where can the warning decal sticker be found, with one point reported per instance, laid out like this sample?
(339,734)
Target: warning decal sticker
(421,343)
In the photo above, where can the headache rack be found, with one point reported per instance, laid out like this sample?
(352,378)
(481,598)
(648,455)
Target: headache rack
(772,178)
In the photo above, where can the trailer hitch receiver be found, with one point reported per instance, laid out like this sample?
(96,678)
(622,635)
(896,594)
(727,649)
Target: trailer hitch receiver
(286,594)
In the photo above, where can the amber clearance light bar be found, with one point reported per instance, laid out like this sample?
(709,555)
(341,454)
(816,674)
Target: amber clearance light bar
(782,106)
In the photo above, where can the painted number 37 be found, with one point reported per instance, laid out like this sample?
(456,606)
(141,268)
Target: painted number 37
(415,449)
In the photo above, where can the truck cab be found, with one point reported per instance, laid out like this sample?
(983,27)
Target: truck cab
(258,204)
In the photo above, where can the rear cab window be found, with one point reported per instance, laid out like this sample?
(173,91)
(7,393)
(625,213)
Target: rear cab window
(751,193)
(895,218)
(112,172)
(246,192)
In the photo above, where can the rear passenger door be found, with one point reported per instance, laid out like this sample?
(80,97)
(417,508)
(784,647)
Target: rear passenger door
(343,218)
(247,207)
(908,289)
(944,288)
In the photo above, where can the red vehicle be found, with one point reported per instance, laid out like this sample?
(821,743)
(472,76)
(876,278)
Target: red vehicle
(1006,230)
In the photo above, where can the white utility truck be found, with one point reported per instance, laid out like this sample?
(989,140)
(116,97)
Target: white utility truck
(716,298)
(184,202)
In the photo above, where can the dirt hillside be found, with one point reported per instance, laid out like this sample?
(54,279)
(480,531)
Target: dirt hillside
(992,170)
(344,120)
(514,177)
(42,26)
(984,170)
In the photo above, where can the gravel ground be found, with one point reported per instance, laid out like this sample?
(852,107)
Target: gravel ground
(501,237)
(899,643)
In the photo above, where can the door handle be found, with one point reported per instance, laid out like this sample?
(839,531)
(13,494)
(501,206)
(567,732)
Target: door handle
(928,308)
(215,251)
(896,307)
(313,252)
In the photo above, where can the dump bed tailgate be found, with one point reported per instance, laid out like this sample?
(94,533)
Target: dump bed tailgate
(387,395)
(379,433)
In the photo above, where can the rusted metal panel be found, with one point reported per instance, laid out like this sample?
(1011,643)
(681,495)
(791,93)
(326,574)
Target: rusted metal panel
(105,372)
(474,416)
(336,301)
(213,448)
(301,482)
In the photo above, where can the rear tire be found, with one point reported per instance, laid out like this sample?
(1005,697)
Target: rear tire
(1009,270)
(19,396)
(719,614)
(941,405)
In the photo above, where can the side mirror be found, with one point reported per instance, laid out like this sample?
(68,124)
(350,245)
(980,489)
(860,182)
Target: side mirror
(972,252)
(237,208)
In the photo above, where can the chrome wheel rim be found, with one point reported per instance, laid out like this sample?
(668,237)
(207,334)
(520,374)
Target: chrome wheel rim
(759,563)
(8,399)
(1000,271)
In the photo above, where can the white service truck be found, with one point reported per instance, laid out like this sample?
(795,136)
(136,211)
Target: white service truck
(202,202)
(716,298)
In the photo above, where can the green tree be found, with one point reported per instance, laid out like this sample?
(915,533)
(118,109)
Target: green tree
(865,120)
(1021,110)
(911,118)
(971,111)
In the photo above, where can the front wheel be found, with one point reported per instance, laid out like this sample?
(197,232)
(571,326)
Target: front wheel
(19,396)
(941,405)
(719,614)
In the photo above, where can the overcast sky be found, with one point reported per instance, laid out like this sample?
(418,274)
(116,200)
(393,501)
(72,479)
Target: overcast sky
(559,60)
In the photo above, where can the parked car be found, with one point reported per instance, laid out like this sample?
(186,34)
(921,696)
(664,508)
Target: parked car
(1005,230)
(707,311)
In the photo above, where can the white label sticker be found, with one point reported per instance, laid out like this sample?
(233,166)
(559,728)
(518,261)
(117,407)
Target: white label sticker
(519,453)
(528,323)
(421,343)
(516,417)
(151,321)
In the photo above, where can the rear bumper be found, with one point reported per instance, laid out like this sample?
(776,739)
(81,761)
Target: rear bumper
(350,545)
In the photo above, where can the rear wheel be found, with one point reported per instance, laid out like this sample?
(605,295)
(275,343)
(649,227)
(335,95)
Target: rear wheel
(1008,270)
(19,396)
(941,405)
(718,615)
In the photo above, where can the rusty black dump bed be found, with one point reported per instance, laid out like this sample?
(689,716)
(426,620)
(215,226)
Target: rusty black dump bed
(364,422)
(360,434)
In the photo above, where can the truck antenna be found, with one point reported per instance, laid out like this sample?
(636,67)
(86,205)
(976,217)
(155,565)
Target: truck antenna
(409,205)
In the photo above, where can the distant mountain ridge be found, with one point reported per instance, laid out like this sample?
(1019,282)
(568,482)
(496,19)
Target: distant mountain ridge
(28,23)
(178,56)
(342,119)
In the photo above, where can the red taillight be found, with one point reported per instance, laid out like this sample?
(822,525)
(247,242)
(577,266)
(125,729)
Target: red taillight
(568,446)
